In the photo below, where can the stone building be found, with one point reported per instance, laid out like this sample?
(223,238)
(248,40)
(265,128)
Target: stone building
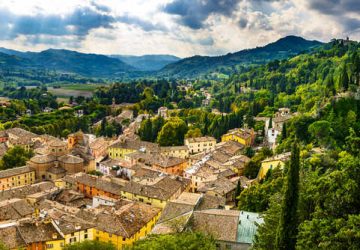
(56,163)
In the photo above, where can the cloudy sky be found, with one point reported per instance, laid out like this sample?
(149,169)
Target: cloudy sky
(178,27)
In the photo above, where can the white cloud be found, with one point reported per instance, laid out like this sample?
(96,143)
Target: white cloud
(141,27)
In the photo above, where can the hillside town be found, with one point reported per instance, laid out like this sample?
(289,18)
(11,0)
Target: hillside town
(122,189)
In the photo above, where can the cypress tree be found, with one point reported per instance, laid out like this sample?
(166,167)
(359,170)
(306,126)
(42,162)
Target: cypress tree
(283,132)
(237,192)
(146,134)
(103,127)
(270,123)
(344,78)
(288,224)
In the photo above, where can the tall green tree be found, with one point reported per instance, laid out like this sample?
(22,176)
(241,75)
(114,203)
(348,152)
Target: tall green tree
(237,192)
(172,133)
(288,225)
(344,78)
(146,130)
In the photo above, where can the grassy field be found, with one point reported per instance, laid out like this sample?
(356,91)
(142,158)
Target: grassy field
(85,90)
(82,87)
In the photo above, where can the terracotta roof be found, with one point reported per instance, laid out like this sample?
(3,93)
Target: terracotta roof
(68,223)
(98,143)
(221,186)
(22,192)
(127,220)
(136,145)
(33,233)
(211,201)
(70,159)
(208,221)
(15,171)
(99,183)
(43,159)
(157,159)
(200,139)
(230,147)
(15,209)
(162,190)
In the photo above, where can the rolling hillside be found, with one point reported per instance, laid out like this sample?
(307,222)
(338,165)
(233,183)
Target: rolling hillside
(198,66)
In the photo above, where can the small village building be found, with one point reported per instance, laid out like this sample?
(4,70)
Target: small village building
(119,149)
(175,151)
(16,177)
(244,136)
(277,161)
(200,144)
(156,194)
(165,164)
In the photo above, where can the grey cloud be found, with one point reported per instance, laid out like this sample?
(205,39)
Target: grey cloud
(144,25)
(100,7)
(335,6)
(193,13)
(243,22)
(78,23)
(209,41)
(339,10)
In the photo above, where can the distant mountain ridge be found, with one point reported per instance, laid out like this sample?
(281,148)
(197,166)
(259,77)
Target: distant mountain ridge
(93,65)
(120,66)
(197,66)
(147,62)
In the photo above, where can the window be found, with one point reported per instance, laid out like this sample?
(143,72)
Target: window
(49,245)
(85,236)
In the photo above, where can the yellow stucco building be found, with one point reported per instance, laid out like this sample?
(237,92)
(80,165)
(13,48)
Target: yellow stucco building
(244,136)
(131,223)
(277,161)
(119,149)
(175,151)
(16,177)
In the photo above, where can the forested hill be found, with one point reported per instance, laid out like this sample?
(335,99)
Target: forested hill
(200,66)
(70,62)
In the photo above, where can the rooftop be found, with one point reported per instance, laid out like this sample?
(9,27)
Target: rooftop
(15,171)
(136,145)
(164,189)
(209,221)
(99,183)
(200,139)
(40,232)
(157,159)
